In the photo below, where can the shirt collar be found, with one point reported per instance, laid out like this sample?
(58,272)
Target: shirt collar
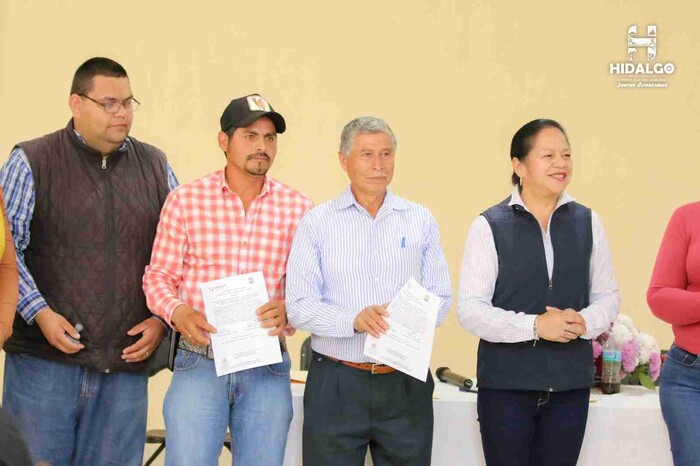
(391,201)
(267,187)
(515,199)
(122,148)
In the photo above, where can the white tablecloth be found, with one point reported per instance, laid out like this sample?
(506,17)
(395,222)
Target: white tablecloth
(626,428)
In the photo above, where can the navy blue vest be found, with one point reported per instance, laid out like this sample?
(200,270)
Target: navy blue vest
(523,285)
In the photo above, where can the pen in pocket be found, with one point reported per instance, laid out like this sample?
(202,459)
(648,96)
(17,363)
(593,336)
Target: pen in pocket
(403,241)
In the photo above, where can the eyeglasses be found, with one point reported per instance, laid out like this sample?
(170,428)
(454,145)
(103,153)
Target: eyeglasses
(113,106)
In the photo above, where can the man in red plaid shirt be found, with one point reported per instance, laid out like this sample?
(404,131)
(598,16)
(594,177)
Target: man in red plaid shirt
(234,221)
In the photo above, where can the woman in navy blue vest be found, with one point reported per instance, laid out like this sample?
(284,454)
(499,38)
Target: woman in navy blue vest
(537,284)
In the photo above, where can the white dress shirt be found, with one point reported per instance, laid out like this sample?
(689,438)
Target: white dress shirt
(479,272)
(343,260)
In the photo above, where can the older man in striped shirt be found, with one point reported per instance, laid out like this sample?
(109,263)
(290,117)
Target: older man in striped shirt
(349,258)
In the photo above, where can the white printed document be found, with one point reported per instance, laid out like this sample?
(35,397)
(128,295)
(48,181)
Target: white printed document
(239,342)
(408,343)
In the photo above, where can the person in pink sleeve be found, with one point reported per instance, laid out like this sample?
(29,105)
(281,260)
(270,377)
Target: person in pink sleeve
(674,297)
(234,221)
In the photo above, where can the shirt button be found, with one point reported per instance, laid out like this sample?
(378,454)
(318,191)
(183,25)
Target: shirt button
(245,243)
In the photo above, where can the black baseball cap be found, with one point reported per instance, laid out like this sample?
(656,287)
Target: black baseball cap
(244,111)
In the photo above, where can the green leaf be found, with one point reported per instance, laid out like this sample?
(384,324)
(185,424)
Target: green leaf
(645,380)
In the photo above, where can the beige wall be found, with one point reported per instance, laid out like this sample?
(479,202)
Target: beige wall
(455,79)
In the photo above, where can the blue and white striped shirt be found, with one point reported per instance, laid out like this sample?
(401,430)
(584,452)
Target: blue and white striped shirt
(20,196)
(342,260)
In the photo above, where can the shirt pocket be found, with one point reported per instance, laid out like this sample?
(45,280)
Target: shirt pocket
(403,258)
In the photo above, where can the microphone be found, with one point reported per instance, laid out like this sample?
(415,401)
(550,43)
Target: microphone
(444,374)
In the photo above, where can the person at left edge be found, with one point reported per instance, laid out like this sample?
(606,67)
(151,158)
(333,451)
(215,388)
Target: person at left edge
(83,204)
(12,445)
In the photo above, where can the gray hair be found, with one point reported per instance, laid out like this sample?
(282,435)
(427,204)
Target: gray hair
(365,124)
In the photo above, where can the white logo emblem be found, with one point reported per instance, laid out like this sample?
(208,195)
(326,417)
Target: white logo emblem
(637,72)
(633,42)
(258,104)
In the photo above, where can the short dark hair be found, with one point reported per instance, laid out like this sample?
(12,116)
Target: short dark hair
(97,66)
(523,140)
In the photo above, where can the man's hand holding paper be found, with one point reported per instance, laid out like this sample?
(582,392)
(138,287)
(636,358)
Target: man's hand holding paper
(372,320)
(240,309)
(407,340)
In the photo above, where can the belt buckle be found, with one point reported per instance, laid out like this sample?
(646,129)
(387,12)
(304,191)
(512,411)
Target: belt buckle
(373,371)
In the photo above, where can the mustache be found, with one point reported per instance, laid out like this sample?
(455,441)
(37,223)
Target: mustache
(257,155)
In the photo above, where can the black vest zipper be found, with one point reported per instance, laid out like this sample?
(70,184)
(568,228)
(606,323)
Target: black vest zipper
(110,253)
(550,284)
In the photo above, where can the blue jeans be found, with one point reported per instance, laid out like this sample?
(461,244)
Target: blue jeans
(680,404)
(256,405)
(531,428)
(70,415)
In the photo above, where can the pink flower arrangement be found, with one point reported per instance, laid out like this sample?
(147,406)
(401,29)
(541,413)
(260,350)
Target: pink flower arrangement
(641,357)
(630,356)
(598,348)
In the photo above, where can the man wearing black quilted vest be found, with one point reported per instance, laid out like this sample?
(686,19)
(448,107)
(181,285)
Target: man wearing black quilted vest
(83,204)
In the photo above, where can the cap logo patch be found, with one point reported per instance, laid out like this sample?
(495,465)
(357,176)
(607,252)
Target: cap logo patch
(257,103)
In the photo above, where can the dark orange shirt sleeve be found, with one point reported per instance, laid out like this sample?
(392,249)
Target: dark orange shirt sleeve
(9,279)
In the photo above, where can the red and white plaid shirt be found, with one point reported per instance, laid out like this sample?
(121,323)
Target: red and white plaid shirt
(204,234)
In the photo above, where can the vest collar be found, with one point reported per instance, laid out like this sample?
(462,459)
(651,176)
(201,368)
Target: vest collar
(515,199)
(77,139)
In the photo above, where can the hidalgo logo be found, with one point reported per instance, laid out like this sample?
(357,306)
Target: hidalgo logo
(652,72)
(633,42)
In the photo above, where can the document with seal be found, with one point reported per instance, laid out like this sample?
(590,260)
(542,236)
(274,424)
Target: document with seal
(239,342)
(408,343)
